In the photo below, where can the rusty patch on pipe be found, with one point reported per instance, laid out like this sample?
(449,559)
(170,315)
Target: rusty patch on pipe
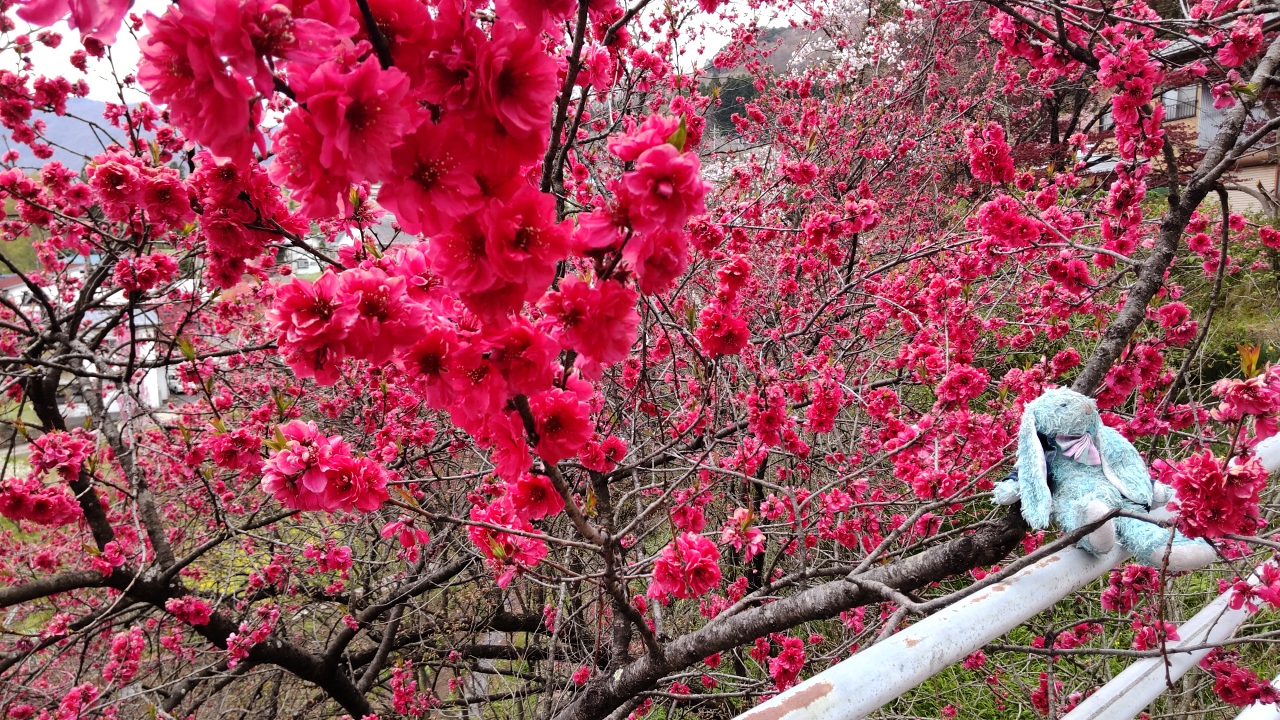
(804,696)
(911,642)
(999,588)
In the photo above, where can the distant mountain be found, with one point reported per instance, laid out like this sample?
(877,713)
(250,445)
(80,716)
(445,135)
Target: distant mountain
(787,46)
(73,139)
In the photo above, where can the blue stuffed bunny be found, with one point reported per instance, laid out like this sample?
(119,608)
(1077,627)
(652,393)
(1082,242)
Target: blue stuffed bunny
(1093,469)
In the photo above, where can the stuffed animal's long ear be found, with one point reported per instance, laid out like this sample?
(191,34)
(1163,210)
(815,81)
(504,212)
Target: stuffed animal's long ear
(1122,465)
(1033,474)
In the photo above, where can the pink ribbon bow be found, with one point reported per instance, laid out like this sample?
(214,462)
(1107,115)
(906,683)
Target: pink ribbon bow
(1079,448)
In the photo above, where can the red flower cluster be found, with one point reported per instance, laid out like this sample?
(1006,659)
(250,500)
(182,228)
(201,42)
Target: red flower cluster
(1214,501)
(1125,588)
(1266,589)
(190,610)
(144,272)
(786,666)
(1235,685)
(30,500)
(364,313)
(129,190)
(61,452)
(1243,43)
(1004,224)
(738,532)
(241,212)
(989,157)
(1257,397)
(510,554)
(309,471)
(962,384)
(125,655)
(686,568)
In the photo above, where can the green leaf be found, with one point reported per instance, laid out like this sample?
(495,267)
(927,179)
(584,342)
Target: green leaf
(277,441)
(679,137)
(188,350)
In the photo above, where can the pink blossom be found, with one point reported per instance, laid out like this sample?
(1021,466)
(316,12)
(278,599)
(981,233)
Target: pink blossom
(189,609)
(535,14)
(118,183)
(145,272)
(767,417)
(524,242)
(603,457)
(525,356)
(385,319)
(1147,637)
(336,558)
(720,333)
(297,145)
(658,259)
(98,19)
(975,661)
(687,568)
(1236,685)
(211,104)
(518,80)
(1003,221)
(1257,396)
(360,115)
(1245,41)
(431,185)
(562,422)
(962,384)
(234,450)
(406,533)
(298,474)
(311,317)
(597,321)
(989,157)
(460,255)
(429,362)
(535,497)
(663,189)
(1213,501)
(1222,96)
(739,532)
(28,499)
(654,131)
(125,656)
(508,451)
(166,200)
(62,452)
(786,667)
(508,554)
(355,483)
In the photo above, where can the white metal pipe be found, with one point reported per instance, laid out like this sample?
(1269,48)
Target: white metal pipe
(875,676)
(1258,711)
(1131,691)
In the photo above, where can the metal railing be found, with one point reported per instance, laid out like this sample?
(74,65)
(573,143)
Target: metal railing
(1130,692)
(873,677)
